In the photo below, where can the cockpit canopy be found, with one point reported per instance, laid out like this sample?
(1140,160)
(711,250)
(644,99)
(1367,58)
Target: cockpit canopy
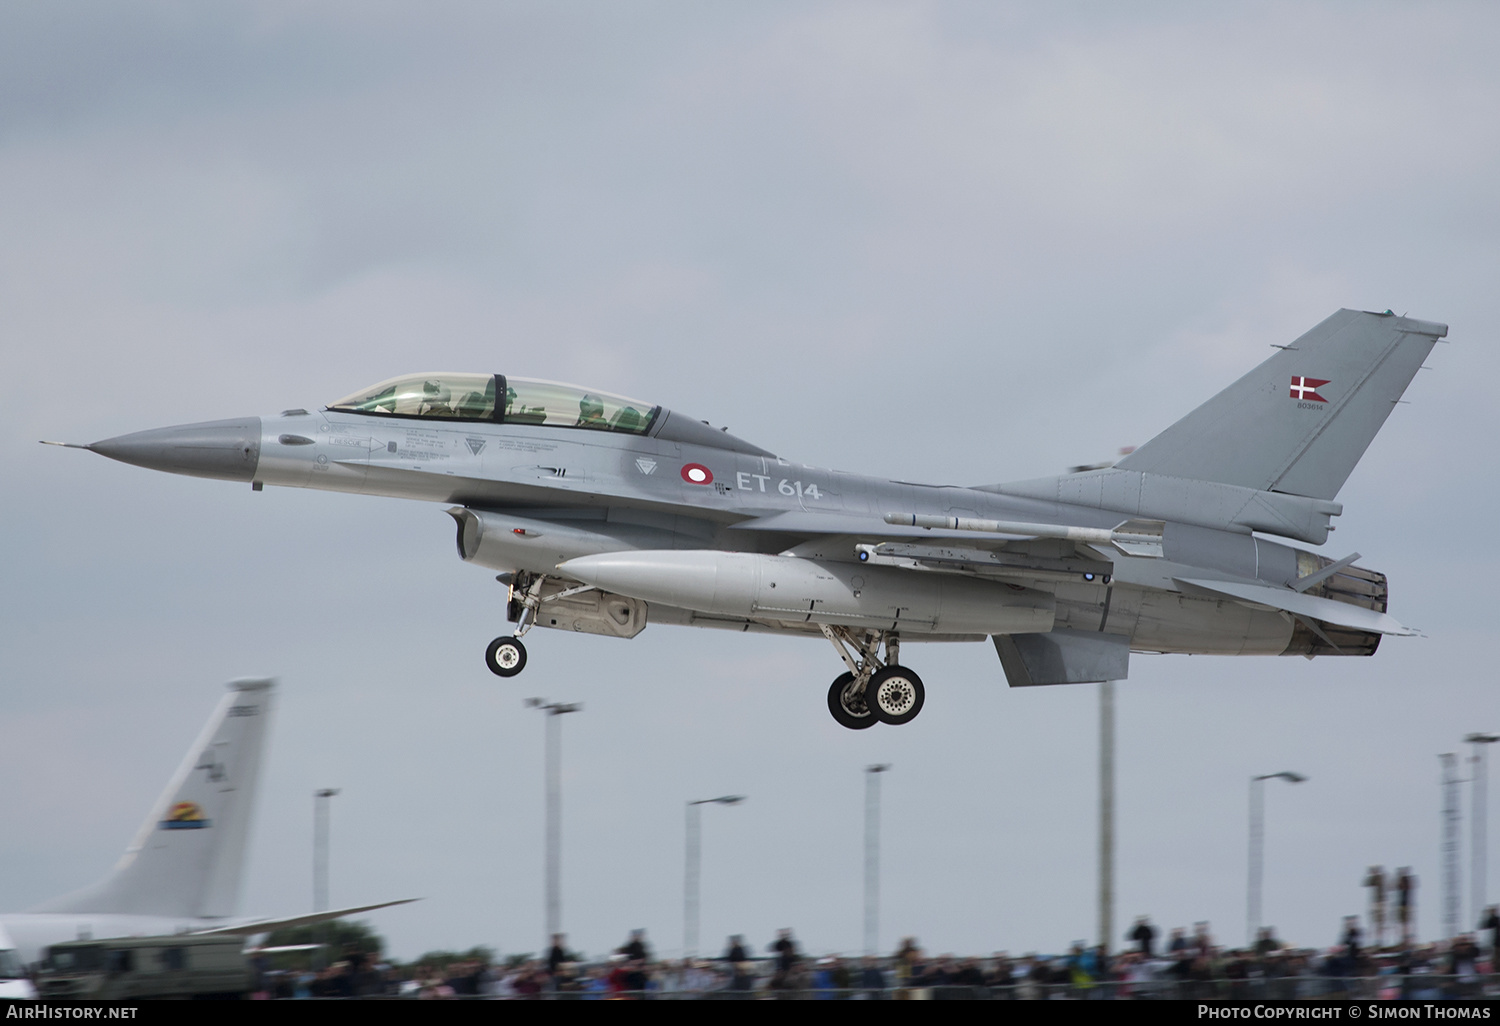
(527,401)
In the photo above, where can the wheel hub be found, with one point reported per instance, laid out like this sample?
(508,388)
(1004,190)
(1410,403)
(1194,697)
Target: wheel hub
(854,702)
(895,696)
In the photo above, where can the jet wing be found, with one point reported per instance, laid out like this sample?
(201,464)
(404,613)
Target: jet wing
(247,927)
(1340,614)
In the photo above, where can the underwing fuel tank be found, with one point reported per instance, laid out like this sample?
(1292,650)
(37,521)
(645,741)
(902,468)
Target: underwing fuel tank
(792,589)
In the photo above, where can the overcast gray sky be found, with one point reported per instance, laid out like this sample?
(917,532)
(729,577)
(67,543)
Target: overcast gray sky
(947,242)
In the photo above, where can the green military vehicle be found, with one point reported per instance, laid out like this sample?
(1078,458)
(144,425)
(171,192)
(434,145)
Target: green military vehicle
(145,967)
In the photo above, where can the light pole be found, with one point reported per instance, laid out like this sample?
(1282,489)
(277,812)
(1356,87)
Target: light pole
(872,855)
(1106,813)
(1450,844)
(320,847)
(1478,828)
(691,867)
(321,809)
(552,756)
(1257,846)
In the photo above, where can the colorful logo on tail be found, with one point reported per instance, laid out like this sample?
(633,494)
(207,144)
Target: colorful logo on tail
(1306,389)
(186,816)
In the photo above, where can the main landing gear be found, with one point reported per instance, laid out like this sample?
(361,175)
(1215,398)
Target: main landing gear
(872,690)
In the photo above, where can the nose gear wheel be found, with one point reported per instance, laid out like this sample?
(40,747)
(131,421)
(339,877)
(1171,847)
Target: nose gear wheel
(505,657)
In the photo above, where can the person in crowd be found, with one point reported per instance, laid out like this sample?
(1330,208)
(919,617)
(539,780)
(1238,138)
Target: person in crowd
(1463,966)
(1406,900)
(785,950)
(734,950)
(1265,942)
(1142,935)
(700,977)
(1491,921)
(1001,980)
(905,959)
(741,982)
(821,979)
(788,981)
(840,977)
(635,948)
(557,955)
(1375,882)
(637,978)
(1351,937)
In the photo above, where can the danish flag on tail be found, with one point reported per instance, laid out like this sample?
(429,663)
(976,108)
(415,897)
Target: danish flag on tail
(1306,389)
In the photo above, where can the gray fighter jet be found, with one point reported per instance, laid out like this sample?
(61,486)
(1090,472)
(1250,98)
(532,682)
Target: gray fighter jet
(605,514)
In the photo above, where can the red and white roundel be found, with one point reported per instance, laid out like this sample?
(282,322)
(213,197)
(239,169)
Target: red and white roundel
(697,473)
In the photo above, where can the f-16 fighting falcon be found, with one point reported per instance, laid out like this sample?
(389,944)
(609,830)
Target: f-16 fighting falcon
(605,514)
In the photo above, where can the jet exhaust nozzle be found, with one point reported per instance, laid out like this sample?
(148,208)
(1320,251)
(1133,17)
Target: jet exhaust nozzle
(225,449)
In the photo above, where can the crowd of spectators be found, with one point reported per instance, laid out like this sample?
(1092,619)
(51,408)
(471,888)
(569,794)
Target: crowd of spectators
(1186,964)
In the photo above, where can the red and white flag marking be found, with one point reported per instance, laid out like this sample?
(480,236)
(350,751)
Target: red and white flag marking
(1306,389)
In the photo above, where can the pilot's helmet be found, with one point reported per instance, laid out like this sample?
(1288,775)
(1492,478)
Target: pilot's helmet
(590,408)
(435,391)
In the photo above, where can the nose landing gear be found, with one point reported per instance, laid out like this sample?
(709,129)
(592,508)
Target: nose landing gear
(506,656)
(873,690)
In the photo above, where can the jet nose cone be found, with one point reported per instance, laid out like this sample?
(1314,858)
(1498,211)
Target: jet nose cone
(227,449)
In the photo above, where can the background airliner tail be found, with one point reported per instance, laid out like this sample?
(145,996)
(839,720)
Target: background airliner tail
(188,857)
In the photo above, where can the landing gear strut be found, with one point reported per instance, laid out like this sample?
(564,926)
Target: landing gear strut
(872,689)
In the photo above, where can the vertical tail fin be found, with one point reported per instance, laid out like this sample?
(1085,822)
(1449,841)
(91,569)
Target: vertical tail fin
(1300,421)
(187,859)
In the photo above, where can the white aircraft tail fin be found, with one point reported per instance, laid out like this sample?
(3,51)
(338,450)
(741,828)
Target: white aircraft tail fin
(1300,421)
(188,857)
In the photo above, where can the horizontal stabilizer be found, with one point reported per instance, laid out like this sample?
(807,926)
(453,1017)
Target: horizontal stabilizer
(249,927)
(1340,614)
(1063,657)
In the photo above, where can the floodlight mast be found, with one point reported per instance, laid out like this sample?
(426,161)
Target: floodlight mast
(1478,826)
(321,811)
(1257,848)
(1106,814)
(552,756)
(872,855)
(692,869)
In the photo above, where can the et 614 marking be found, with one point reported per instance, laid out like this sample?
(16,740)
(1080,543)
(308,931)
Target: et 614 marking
(785,486)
